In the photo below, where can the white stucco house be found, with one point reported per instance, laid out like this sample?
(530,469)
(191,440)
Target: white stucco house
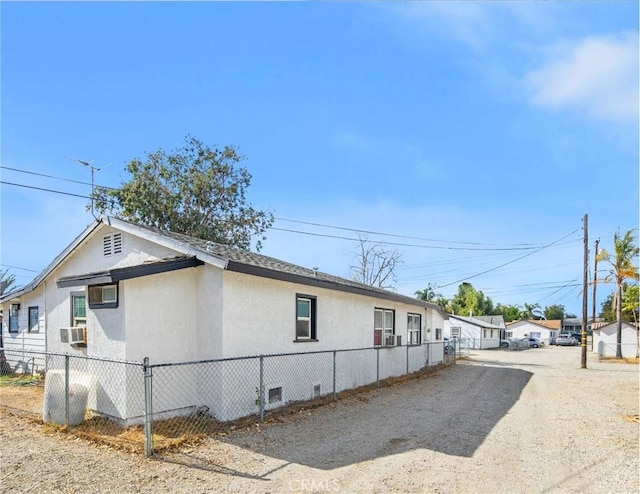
(605,340)
(544,330)
(480,331)
(123,291)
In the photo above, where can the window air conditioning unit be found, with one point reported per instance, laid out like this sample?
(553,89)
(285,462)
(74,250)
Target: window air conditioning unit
(393,340)
(74,336)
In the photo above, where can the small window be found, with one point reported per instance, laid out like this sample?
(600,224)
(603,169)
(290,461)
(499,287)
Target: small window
(112,244)
(455,331)
(33,319)
(103,296)
(383,327)
(78,309)
(438,334)
(414,329)
(305,318)
(275,395)
(14,313)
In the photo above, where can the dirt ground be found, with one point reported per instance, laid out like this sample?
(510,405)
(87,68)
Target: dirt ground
(527,421)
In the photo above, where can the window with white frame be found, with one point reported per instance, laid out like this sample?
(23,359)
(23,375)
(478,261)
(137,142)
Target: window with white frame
(383,326)
(305,318)
(78,309)
(455,331)
(414,328)
(103,296)
(112,244)
(438,334)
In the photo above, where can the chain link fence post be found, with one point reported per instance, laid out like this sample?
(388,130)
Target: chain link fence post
(334,375)
(66,390)
(407,357)
(377,367)
(261,389)
(148,407)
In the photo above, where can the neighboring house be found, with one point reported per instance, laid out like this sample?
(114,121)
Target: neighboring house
(23,328)
(481,331)
(543,330)
(605,340)
(124,291)
(572,324)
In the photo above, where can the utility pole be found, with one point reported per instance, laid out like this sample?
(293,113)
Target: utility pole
(585,294)
(595,284)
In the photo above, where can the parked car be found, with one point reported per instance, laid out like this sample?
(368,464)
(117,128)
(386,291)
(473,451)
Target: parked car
(535,343)
(565,340)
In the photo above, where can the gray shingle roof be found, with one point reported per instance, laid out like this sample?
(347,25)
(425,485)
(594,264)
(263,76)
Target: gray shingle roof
(265,264)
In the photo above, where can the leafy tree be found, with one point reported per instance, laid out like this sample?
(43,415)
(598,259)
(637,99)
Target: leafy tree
(444,303)
(555,311)
(508,312)
(629,304)
(607,310)
(375,265)
(469,301)
(6,281)
(195,190)
(625,252)
(531,311)
(631,301)
(428,294)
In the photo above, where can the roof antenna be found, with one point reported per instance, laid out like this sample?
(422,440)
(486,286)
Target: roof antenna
(93,170)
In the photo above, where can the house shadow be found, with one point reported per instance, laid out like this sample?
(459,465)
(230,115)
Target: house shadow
(450,413)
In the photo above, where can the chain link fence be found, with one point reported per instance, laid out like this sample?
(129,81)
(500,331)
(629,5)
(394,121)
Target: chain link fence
(141,406)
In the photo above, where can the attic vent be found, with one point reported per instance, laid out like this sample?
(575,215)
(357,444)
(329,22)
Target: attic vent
(112,244)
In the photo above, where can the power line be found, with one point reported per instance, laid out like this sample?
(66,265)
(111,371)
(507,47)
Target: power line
(391,234)
(507,263)
(382,242)
(44,189)
(53,177)
(17,267)
(398,244)
(517,246)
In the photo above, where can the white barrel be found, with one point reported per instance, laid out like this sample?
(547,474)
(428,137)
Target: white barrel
(53,408)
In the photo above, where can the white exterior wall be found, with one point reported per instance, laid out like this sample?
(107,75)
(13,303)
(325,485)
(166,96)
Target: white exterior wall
(474,333)
(525,329)
(608,335)
(259,319)
(260,316)
(25,339)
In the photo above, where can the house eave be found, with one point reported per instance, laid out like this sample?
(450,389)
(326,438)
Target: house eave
(120,274)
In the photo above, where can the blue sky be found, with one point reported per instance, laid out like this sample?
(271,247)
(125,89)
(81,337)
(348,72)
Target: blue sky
(451,125)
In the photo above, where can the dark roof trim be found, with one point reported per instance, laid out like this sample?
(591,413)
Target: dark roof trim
(120,274)
(320,283)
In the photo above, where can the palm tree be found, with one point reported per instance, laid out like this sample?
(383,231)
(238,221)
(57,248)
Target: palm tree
(6,281)
(531,311)
(622,268)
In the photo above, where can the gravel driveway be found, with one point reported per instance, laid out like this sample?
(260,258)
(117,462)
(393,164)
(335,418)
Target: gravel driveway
(529,421)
